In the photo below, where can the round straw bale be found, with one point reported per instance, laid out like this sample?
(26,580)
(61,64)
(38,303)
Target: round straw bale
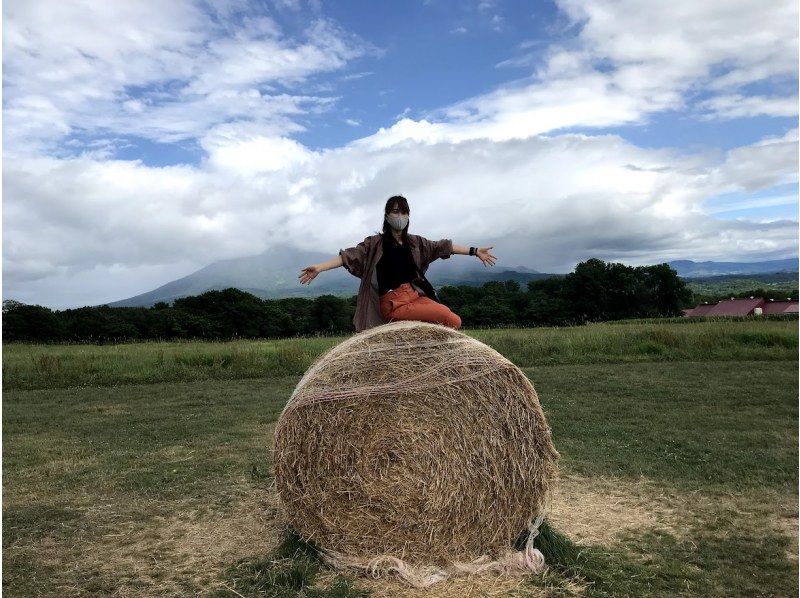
(413,440)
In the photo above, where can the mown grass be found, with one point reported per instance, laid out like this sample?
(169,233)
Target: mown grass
(30,366)
(291,570)
(165,488)
(659,564)
(712,424)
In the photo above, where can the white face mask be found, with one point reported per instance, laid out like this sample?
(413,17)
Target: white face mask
(397,222)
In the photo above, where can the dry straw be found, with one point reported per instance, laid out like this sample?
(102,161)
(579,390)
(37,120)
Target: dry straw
(415,449)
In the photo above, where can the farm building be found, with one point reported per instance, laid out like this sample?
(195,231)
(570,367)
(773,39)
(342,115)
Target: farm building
(780,307)
(744,307)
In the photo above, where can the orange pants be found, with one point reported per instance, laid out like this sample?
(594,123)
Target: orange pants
(406,303)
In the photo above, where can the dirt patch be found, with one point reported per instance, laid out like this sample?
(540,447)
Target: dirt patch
(785,522)
(178,554)
(601,510)
(190,547)
(476,586)
(788,525)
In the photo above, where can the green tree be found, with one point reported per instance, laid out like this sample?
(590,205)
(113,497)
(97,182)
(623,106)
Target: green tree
(586,290)
(545,303)
(328,314)
(234,313)
(668,290)
(31,323)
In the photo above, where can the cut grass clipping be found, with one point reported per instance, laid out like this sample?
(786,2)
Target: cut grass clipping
(416,450)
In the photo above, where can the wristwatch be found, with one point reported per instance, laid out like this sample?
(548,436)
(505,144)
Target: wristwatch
(472,250)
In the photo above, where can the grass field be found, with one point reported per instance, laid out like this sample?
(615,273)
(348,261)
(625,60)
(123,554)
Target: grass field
(28,366)
(144,469)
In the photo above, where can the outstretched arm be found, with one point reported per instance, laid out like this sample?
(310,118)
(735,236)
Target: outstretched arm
(353,259)
(309,273)
(483,254)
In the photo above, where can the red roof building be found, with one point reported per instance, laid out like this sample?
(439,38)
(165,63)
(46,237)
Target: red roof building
(780,307)
(736,307)
(701,310)
(743,307)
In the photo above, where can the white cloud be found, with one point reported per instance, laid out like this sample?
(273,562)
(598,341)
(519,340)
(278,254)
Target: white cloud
(164,71)
(529,43)
(264,57)
(543,202)
(288,4)
(192,118)
(241,150)
(739,106)
(82,230)
(750,39)
(512,113)
(630,60)
(522,61)
(354,76)
(769,162)
(497,22)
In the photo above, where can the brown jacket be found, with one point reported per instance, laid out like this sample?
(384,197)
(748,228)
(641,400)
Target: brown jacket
(361,260)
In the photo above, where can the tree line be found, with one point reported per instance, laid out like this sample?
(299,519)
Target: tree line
(595,291)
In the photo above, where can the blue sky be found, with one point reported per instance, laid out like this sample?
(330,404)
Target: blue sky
(426,55)
(146,140)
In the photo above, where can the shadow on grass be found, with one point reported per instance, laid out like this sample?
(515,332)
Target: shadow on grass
(652,563)
(655,563)
(290,572)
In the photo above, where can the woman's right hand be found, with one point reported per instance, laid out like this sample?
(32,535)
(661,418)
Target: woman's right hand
(308,274)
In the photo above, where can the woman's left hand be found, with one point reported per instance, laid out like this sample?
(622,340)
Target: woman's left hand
(487,258)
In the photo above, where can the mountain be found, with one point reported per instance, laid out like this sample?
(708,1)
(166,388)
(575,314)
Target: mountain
(690,269)
(271,274)
(274,275)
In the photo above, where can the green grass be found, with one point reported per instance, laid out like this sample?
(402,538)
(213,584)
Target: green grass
(28,366)
(290,572)
(165,488)
(59,366)
(659,564)
(715,424)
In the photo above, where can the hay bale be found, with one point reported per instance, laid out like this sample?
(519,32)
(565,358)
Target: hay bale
(417,441)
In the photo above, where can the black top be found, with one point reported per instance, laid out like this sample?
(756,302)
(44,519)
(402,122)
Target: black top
(395,267)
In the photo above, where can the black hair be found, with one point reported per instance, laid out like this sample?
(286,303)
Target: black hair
(401,203)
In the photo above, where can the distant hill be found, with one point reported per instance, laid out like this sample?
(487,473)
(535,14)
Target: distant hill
(274,275)
(734,284)
(690,269)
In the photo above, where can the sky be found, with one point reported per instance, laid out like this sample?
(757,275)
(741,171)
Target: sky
(144,140)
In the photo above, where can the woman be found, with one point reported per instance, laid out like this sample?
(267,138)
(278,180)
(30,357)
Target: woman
(387,264)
